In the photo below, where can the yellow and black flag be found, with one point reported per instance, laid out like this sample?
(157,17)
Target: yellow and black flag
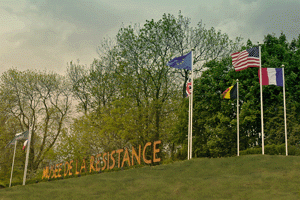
(230,93)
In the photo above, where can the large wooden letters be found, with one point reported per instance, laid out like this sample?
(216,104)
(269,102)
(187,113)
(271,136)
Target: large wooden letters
(105,160)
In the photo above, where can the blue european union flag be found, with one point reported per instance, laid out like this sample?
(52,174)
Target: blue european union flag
(182,62)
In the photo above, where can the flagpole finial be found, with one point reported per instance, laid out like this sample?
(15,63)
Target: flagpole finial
(282,66)
(237,80)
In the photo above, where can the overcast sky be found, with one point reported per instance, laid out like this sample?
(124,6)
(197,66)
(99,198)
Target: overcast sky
(48,34)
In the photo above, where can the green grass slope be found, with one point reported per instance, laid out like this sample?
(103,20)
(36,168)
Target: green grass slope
(245,177)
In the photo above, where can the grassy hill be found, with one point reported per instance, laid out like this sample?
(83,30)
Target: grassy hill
(245,177)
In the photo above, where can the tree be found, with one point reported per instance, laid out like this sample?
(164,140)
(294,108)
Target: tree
(78,76)
(207,45)
(132,71)
(8,129)
(39,102)
(278,52)
(214,122)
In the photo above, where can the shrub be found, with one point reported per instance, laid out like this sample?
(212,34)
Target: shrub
(2,185)
(273,149)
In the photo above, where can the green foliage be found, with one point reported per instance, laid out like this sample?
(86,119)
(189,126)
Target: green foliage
(273,149)
(35,100)
(214,119)
(256,150)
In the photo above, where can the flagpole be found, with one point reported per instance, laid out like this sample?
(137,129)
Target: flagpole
(261,106)
(27,155)
(12,167)
(181,63)
(192,94)
(284,106)
(191,123)
(189,128)
(238,119)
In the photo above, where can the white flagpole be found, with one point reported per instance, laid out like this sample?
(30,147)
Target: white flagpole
(12,167)
(192,94)
(238,119)
(27,155)
(189,128)
(261,106)
(284,106)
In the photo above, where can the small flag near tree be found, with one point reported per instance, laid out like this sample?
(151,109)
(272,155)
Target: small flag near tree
(18,137)
(188,87)
(271,76)
(186,62)
(230,93)
(233,93)
(24,145)
(275,76)
(182,62)
(247,58)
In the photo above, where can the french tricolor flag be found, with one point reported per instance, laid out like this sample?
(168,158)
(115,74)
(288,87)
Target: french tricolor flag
(271,76)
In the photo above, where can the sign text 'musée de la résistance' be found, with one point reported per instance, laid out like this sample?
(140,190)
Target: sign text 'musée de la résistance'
(107,160)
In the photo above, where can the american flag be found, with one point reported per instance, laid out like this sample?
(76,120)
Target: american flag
(244,59)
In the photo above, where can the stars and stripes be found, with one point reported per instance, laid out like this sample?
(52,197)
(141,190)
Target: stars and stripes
(244,59)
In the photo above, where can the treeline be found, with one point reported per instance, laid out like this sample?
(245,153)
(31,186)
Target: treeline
(128,97)
(215,123)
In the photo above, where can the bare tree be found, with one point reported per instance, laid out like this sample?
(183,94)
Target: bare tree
(39,101)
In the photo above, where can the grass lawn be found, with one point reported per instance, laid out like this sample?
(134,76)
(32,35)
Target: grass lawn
(245,177)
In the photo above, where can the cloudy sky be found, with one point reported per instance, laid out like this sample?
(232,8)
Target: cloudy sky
(47,34)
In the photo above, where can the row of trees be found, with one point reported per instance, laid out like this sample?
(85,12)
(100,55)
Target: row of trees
(214,125)
(128,96)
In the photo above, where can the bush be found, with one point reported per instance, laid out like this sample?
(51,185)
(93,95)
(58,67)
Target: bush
(294,150)
(273,149)
(2,185)
(255,150)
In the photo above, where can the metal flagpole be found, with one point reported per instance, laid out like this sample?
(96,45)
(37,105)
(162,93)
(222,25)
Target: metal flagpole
(261,106)
(189,129)
(191,123)
(12,167)
(27,155)
(284,106)
(192,94)
(238,120)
